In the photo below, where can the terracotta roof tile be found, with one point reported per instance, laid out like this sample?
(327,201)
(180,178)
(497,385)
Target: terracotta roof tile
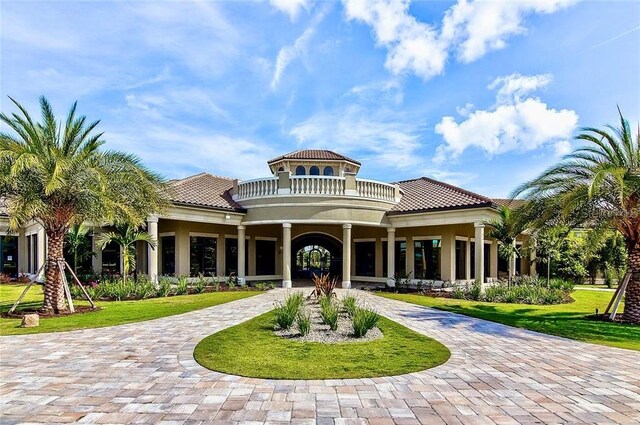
(511,203)
(204,190)
(319,154)
(425,194)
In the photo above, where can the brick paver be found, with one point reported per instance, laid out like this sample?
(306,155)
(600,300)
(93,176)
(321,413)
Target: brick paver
(145,373)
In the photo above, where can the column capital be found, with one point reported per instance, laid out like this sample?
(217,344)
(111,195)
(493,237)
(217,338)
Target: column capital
(347,226)
(391,229)
(241,227)
(478,224)
(152,219)
(286,225)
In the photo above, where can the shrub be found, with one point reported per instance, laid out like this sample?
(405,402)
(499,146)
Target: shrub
(200,285)
(329,313)
(303,321)
(164,287)
(350,304)
(216,285)
(286,311)
(231,283)
(182,286)
(363,320)
(531,292)
(325,285)
(260,286)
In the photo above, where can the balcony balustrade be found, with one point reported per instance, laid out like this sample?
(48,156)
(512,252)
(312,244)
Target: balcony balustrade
(286,185)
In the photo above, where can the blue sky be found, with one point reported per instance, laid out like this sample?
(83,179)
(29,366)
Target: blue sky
(479,94)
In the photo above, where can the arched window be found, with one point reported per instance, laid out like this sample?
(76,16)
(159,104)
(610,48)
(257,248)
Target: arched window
(328,171)
(314,171)
(300,171)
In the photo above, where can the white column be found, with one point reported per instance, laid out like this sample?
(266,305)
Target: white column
(286,255)
(479,257)
(152,253)
(241,250)
(346,256)
(391,256)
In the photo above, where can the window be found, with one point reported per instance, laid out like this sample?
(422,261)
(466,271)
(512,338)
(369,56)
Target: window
(314,171)
(328,171)
(461,260)
(231,256)
(202,256)
(300,170)
(9,255)
(426,256)
(111,258)
(400,258)
(168,252)
(265,257)
(365,258)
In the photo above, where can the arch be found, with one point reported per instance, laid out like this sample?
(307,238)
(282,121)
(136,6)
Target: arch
(328,171)
(314,171)
(300,170)
(316,252)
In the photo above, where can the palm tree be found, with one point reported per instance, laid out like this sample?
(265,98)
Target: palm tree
(126,236)
(547,243)
(598,185)
(56,174)
(77,244)
(505,230)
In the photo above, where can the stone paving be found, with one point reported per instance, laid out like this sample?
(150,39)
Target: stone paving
(145,373)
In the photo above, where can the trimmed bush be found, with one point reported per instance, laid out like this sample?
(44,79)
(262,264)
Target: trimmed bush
(286,311)
(329,313)
(363,320)
(523,290)
(303,322)
(350,304)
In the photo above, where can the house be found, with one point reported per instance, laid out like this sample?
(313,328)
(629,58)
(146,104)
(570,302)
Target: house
(312,214)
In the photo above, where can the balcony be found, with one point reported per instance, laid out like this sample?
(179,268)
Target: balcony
(324,186)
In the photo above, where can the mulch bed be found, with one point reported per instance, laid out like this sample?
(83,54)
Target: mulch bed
(80,309)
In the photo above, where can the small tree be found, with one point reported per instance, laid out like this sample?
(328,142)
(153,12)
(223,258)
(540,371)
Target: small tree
(78,245)
(57,174)
(126,236)
(505,230)
(548,243)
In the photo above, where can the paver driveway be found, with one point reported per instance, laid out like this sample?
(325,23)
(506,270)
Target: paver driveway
(145,373)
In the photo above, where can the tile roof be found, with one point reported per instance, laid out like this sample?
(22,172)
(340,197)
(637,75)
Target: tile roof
(205,190)
(511,203)
(425,194)
(313,154)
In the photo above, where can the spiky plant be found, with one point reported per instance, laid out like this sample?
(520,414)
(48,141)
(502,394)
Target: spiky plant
(57,174)
(597,185)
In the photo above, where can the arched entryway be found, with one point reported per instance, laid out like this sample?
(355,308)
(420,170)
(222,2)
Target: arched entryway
(315,253)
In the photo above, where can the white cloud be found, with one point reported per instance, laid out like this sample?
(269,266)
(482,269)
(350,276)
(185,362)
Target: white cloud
(289,53)
(515,123)
(291,7)
(470,28)
(412,46)
(515,86)
(298,49)
(381,138)
(562,147)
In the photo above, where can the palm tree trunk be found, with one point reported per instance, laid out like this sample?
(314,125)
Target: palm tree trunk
(53,289)
(632,293)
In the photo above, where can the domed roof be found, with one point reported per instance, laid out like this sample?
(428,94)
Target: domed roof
(314,154)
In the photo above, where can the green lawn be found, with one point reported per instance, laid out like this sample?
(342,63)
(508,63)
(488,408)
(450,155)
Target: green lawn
(111,313)
(566,320)
(252,349)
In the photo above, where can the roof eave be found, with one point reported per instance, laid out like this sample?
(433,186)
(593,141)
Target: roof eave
(439,209)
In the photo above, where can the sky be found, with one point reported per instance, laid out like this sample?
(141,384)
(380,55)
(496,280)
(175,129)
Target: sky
(481,94)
